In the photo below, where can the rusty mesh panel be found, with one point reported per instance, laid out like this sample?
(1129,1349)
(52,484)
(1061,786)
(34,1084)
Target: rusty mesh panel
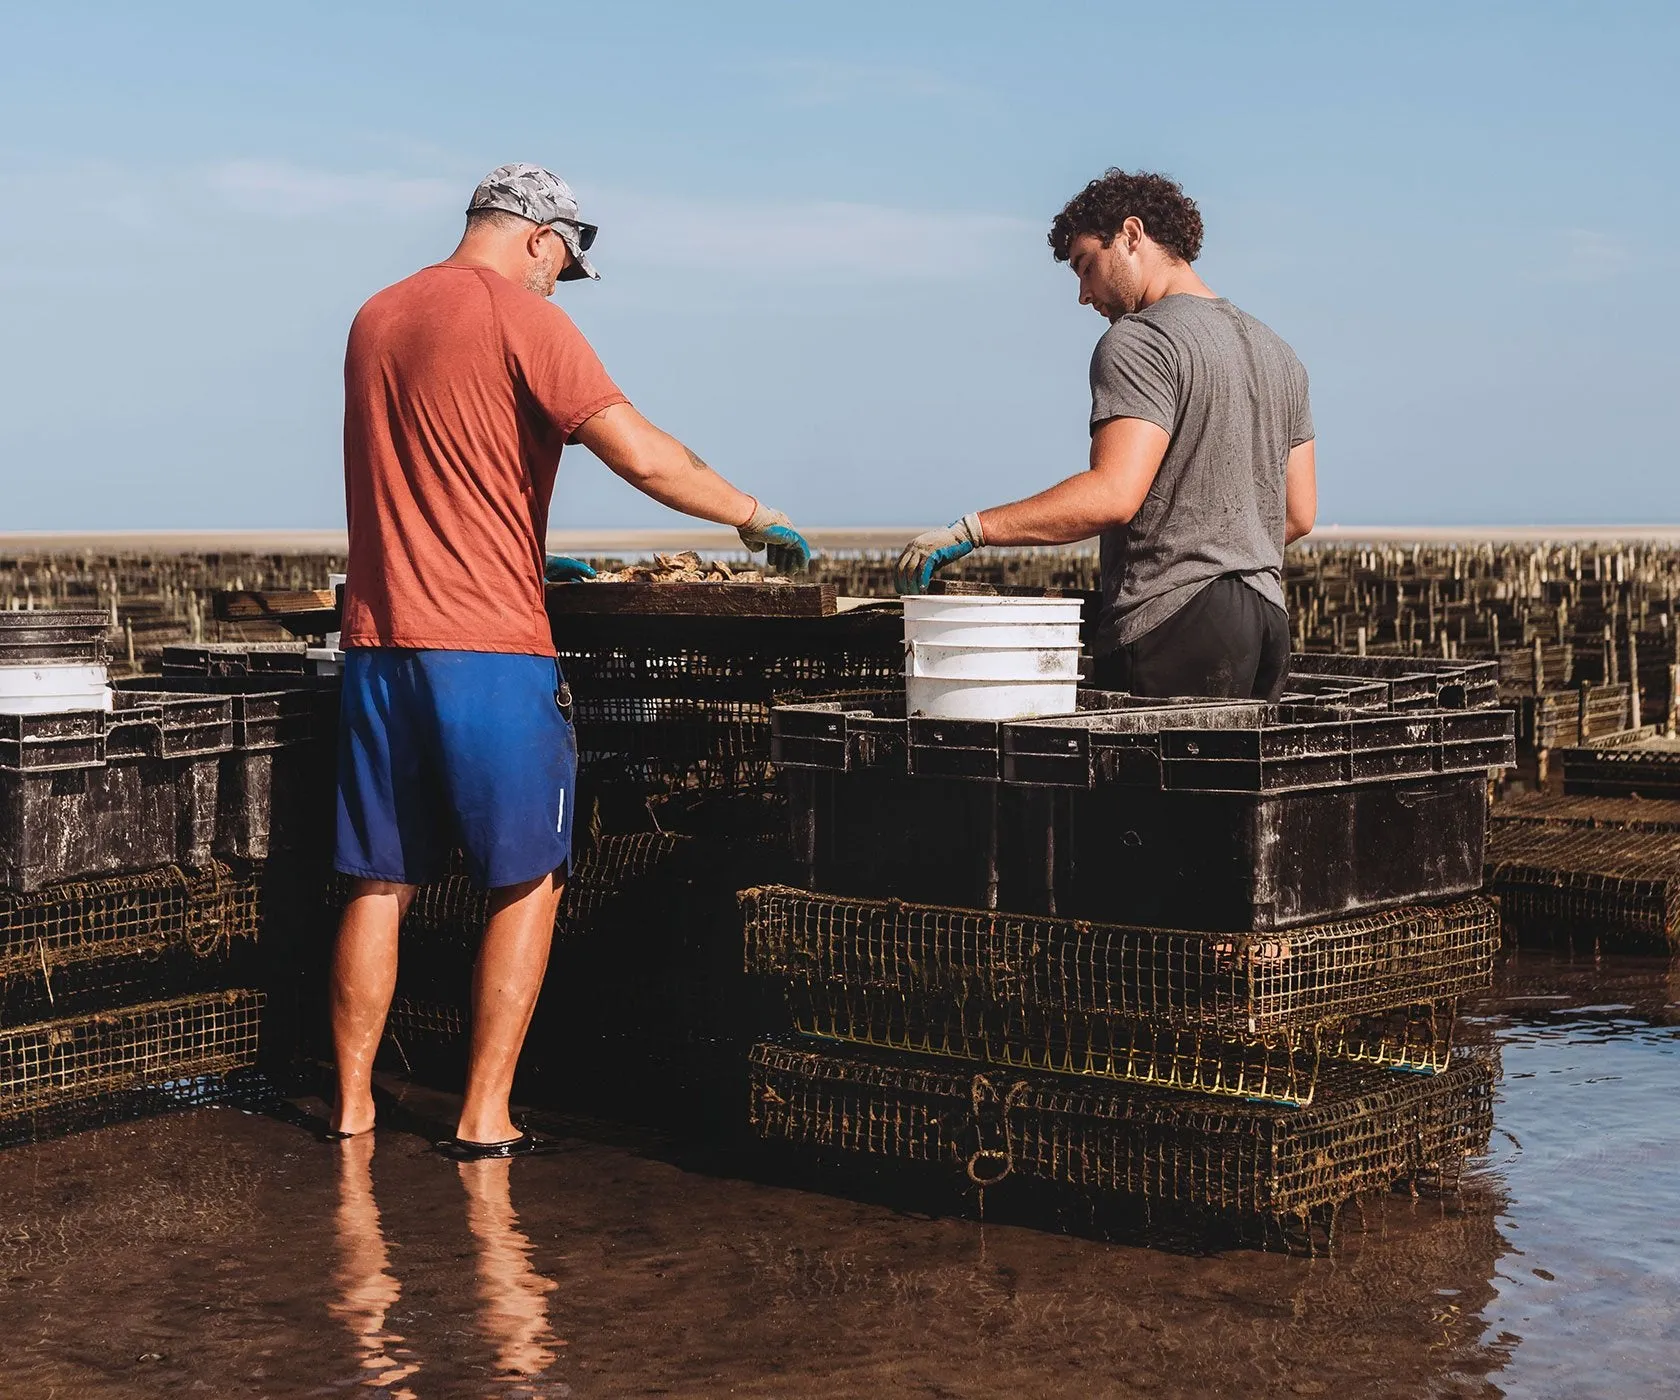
(1369,1128)
(413,1020)
(452,910)
(1616,885)
(1614,813)
(1240,985)
(1281,1066)
(116,1052)
(670,661)
(1418,1037)
(122,916)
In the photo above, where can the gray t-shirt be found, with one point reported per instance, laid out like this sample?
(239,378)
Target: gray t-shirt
(1234,398)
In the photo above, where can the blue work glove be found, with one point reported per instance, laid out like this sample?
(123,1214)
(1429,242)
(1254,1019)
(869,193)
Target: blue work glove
(784,547)
(561,568)
(932,550)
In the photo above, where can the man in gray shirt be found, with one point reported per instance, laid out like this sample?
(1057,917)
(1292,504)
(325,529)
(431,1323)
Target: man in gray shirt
(1202,463)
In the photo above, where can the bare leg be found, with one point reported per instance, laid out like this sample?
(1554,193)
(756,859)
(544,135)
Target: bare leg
(364,976)
(506,981)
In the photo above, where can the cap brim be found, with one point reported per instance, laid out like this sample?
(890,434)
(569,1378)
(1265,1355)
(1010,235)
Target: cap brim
(580,268)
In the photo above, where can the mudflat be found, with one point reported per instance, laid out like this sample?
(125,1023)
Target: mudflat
(228,1254)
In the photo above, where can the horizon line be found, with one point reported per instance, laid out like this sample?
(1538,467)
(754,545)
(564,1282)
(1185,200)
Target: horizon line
(722,539)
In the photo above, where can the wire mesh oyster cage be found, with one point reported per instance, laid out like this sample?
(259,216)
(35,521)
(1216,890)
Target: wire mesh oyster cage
(92,943)
(1369,1129)
(81,1060)
(1620,888)
(1607,813)
(1241,1015)
(666,702)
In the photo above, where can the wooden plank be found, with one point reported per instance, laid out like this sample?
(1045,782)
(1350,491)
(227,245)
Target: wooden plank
(693,599)
(251,606)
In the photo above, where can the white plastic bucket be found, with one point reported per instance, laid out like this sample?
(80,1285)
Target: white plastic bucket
(53,680)
(997,700)
(328,661)
(991,663)
(1018,635)
(986,609)
(990,658)
(53,704)
(41,690)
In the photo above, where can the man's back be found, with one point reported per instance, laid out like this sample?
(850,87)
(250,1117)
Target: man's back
(461,387)
(1233,397)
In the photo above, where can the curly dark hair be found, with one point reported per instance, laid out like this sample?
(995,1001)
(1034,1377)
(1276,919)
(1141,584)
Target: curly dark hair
(1168,215)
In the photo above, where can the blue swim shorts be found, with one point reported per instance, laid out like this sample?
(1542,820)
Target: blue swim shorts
(438,749)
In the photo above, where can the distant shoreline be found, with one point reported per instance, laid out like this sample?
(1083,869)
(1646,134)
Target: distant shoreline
(710,539)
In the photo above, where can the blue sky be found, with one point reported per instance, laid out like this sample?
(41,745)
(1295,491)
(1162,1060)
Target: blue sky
(823,239)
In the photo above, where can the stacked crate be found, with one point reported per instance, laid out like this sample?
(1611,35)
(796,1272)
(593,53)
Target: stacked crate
(671,687)
(1174,952)
(125,944)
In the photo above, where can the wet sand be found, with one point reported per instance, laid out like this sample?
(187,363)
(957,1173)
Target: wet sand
(231,1255)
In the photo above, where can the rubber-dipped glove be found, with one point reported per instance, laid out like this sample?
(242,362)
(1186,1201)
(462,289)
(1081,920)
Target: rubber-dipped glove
(561,568)
(932,550)
(784,547)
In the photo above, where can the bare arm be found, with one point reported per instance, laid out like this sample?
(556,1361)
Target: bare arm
(1300,493)
(657,465)
(1125,455)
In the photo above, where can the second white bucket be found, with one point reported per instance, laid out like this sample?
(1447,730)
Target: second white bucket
(37,690)
(990,658)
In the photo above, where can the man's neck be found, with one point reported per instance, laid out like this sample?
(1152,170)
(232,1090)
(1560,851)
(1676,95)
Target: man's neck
(473,252)
(1174,279)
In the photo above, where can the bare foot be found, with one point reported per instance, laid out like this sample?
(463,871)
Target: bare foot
(353,1119)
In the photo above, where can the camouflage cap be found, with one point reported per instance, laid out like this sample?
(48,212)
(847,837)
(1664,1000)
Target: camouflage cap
(542,197)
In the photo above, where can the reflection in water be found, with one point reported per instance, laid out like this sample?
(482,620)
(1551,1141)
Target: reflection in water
(513,1296)
(1586,1149)
(367,1290)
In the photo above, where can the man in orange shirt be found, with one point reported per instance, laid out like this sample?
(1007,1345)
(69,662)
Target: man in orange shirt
(462,385)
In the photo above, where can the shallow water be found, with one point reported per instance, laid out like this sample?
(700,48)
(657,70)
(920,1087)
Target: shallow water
(230,1255)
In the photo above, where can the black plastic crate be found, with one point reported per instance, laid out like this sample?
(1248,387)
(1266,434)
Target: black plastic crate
(85,793)
(1199,860)
(1639,766)
(1206,745)
(236,659)
(754,659)
(1246,747)
(1369,1129)
(1569,717)
(1212,861)
(663,703)
(1422,681)
(1340,692)
(1188,815)
(53,638)
(277,780)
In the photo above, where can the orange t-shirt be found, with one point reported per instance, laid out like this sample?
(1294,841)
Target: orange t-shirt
(460,388)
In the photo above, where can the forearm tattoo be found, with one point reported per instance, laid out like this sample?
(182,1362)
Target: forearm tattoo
(695,462)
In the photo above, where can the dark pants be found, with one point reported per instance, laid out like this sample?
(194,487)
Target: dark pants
(1226,641)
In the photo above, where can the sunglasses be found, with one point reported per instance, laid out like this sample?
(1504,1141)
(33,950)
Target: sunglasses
(585,232)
